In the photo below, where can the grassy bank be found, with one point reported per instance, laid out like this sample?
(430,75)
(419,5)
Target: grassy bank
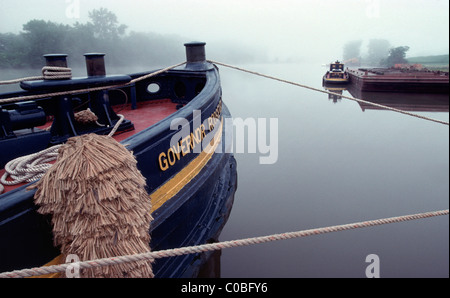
(437,62)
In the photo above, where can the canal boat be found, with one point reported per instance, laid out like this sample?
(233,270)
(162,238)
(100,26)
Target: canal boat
(336,74)
(191,189)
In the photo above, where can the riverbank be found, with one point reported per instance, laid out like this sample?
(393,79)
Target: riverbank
(435,63)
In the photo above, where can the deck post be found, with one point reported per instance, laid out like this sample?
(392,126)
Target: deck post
(58,60)
(195,52)
(95,64)
(195,57)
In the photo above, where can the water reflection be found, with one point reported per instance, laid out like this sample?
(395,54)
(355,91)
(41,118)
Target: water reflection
(207,264)
(337,90)
(413,102)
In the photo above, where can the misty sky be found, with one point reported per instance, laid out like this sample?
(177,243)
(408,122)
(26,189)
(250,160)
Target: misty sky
(309,29)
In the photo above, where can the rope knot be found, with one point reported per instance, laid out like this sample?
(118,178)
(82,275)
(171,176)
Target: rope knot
(85,116)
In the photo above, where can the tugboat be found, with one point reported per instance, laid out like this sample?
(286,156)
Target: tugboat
(165,121)
(336,74)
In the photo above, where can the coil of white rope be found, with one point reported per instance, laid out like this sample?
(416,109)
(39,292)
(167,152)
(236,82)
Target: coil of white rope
(48,73)
(32,167)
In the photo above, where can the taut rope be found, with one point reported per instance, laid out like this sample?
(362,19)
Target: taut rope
(30,97)
(215,246)
(32,167)
(51,153)
(48,73)
(332,93)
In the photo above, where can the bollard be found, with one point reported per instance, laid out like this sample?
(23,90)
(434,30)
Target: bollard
(95,64)
(57,60)
(195,52)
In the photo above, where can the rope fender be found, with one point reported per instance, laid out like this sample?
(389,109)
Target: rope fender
(150,256)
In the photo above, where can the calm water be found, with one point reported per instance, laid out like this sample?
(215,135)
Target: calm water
(337,164)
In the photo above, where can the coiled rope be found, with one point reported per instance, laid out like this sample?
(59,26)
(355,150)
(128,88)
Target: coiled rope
(215,246)
(33,167)
(48,73)
(332,93)
(31,97)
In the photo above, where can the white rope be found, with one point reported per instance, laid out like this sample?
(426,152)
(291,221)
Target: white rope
(214,246)
(32,167)
(56,73)
(31,97)
(48,73)
(206,247)
(332,93)
(28,168)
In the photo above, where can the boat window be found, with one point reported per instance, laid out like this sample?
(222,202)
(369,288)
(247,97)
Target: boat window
(153,88)
(180,89)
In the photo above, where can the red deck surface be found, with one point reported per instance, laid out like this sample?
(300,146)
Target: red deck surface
(146,114)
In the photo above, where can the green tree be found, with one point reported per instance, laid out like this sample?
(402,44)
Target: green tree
(105,24)
(109,35)
(378,49)
(41,38)
(396,56)
(12,50)
(352,49)
(79,39)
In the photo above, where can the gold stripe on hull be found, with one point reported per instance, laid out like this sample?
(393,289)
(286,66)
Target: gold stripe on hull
(175,184)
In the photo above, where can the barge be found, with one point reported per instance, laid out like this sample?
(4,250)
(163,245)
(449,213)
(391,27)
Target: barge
(399,80)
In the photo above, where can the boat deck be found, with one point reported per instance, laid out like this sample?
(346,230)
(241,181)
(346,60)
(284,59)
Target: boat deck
(146,114)
(398,73)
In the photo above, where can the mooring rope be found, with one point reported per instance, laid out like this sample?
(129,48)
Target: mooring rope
(206,247)
(48,73)
(21,98)
(214,246)
(53,94)
(328,92)
(32,167)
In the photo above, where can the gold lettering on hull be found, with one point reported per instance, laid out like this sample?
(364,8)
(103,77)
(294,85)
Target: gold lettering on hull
(167,159)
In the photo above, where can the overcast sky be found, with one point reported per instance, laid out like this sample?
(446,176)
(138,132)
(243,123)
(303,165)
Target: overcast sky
(281,28)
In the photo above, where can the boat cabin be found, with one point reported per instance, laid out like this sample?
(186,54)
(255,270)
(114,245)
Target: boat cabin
(336,66)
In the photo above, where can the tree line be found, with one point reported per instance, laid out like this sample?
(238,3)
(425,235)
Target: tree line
(379,53)
(102,33)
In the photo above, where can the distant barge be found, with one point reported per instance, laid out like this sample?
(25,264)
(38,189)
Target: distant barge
(399,80)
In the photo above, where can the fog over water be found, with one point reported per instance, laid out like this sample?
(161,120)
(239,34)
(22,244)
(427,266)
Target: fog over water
(338,162)
(302,30)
